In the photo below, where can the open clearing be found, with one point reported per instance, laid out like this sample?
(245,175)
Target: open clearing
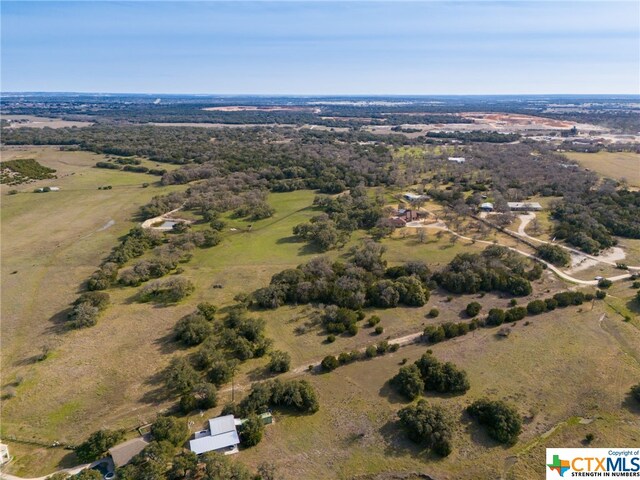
(19,121)
(560,367)
(616,165)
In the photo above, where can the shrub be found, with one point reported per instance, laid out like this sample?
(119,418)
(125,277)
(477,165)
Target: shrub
(295,394)
(551,303)
(408,382)
(428,424)
(496,317)
(433,313)
(635,392)
(251,431)
(206,395)
(166,291)
(193,329)
(434,334)
(554,254)
(279,362)
(382,347)
(97,445)
(83,315)
(536,307)
(371,351)
(331,338)
(379,329)
(514,314)
(207,310)
(170,429)
(441,377)
(344,358)
(180,376)
(503,422)
(373,321)
(329,363)
(604,283)
(473,309)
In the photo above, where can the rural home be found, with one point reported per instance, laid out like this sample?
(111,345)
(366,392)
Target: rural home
(222,436)
(524,206)
(457,159)
(398,222)
(123,453)
(486,207)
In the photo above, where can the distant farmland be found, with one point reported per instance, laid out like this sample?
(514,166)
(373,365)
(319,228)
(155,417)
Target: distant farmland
(617,165)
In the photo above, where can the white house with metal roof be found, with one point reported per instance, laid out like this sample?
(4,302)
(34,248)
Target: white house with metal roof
(222,436)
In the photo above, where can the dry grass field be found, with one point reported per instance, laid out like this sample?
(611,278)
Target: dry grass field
(559,369)
(616,165)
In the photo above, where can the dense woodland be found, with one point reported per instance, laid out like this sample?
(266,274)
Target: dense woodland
(237,167)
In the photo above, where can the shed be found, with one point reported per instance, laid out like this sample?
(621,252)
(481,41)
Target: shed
(124,452)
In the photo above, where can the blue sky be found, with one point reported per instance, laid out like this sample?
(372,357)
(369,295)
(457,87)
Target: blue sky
(326,47)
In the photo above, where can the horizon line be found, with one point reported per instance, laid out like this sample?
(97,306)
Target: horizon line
(72,92)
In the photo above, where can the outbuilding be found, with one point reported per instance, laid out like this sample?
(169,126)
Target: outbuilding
(486,207)
(524,206)
(123,453)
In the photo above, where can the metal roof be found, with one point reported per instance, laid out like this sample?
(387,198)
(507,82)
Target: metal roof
(220,425)
(215,442)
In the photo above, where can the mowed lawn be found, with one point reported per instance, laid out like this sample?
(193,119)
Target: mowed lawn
(558,370)
(616,165)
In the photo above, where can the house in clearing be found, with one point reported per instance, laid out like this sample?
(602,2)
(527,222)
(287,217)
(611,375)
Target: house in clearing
(221,436)
(123,453)
(486,207)
(457,159)
(524,206)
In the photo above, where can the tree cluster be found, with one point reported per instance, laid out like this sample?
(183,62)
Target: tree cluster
(430,425)
(502,420)
(429,374)
(363,281)
(496,268)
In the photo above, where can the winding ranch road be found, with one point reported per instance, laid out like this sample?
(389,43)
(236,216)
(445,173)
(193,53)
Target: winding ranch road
(550,266)
(527,218)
